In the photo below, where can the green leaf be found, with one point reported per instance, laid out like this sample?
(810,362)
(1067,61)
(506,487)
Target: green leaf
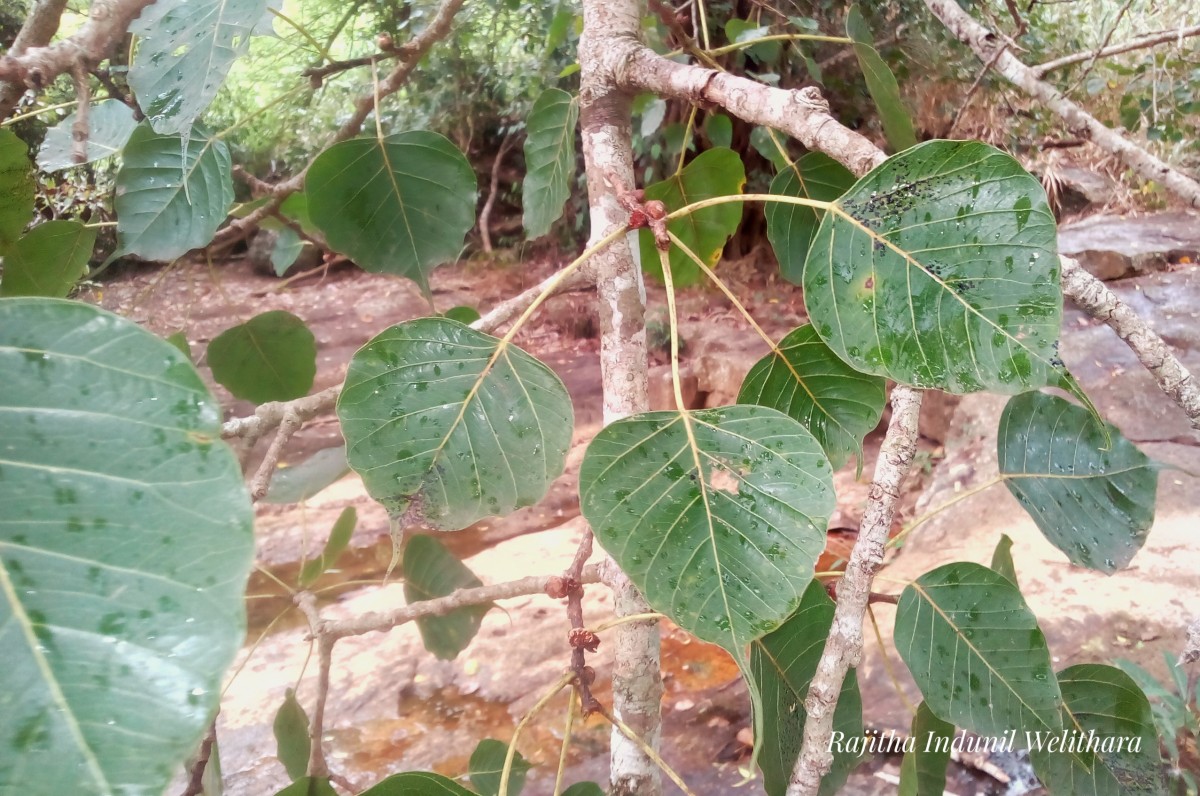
(287,248)
(447,425)
(975,650)
(807,382)
(790,228)
(487,765)
(763,143)
(881,84)
(923,770)
(717,172)
(417,783)
(1091,493)
(335,545)
(1105,715)
(185,50)
(1002,560)
(302,481)
(170,199)
(431,571)
(271,357)
(549,160)
(464,315)
(180,341)
(110,123)
(309,786)
(783,664)
(211,781)
(719,129)
(718,515)
(292,744)
(398,205)
(939,269)
(584,789)
(16,188)
(125,544)
(740,30)
(48,260)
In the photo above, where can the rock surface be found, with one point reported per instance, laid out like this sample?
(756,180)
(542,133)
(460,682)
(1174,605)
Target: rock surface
(1116,247)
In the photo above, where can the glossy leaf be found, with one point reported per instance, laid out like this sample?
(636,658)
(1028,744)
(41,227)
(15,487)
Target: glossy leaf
(16,188)
(110,123)
(125,544)
(717,172)
(417,783)
(1091,494)
(807,382)
(783,664)
(1002,560)
(939,269)
(398,205)
(1102,706)
(881,84)
(292,744)
(549,160)
(271,357)
(185,50)
(923,770)
(48,260)
(487,766)
(447,425)
(975,650)
(302,481)
(790,228)
(464,315)
(430,571)
(170,199)
(717,515)
(335,545)
(309,786)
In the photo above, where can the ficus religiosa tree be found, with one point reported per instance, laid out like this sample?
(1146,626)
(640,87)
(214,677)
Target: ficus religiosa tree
(126,524)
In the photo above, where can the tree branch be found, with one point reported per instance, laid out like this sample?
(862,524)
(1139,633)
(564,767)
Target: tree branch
(1139,43)
(843,648)
(39,28)
(486,213)
(1093,297)
(36,67)
(985,44)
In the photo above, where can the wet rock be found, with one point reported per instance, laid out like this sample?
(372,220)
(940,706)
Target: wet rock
(1116,247)
(1080,189)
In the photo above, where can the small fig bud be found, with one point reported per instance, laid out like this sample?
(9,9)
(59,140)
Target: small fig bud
(587,675)
(638,220)
(557,587)
(582,638)
(656,210)
(384,40)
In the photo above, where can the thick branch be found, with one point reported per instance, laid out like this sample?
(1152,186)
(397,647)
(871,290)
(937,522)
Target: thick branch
(373,622)
(1093,297)
(1140,43)
(39,28)
(843,648)
(985,44)
(107,23)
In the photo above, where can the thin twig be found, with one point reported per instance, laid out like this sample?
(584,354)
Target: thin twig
(1191,648)
(38,29)
(966,101)
(1087,69)
(195,785)
(80,130)
(581,639)
(261,482)
(1139,43)
(486,213)
(307,603)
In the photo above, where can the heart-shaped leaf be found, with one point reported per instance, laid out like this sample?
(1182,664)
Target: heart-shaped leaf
(790,228)
(719,129)
(783,664)
(939,269)
(430,571)
(292,743)
(1091,493)
(718,515)
(549,160)
(449,425)
(16,188)
(185,50)
(48,260)
(417,783)
(923,770)
(288,245)
(171,197)
(487,765)
(1111,744)
(271,357)
(975,650)
(397,205)
(806,381)
(1002,560)
(335,545)
(717,172)
(881,83)
(125,544)
(110,123)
